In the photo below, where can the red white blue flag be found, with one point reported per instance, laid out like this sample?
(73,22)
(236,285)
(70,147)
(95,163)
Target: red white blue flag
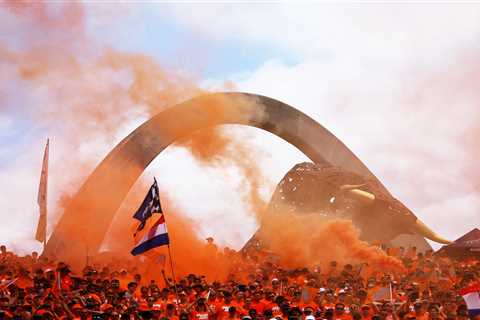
(471,295)
(149,234)
(156,236)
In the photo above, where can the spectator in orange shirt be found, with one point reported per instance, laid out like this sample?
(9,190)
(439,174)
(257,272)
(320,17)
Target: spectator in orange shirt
(295,301)
(434,313)
(232,314)
(131,293)
(387,312)
(224,306)
(361,297)
(339,312)
(366,312)
(239,300)
(308,313)
(200,310)
(329,301)
(170,312)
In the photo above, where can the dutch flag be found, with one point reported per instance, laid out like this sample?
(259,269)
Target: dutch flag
(156,236)
(471,295)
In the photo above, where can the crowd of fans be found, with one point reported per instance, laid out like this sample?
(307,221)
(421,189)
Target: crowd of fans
(428,288)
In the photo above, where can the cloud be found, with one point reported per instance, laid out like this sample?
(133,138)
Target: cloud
(368,33)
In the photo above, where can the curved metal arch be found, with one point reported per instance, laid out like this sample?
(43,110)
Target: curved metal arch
(103,192)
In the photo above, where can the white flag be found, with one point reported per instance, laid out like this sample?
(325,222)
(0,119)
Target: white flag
(41,234)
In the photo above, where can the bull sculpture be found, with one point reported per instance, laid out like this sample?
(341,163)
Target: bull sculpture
(333,192)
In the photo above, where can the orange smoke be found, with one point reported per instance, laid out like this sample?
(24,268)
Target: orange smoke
(190,253)
(215,147)
(71,18)
(84,93)
(310,239)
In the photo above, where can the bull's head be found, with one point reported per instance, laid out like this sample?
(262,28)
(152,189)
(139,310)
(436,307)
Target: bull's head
(390,210)
(334,192)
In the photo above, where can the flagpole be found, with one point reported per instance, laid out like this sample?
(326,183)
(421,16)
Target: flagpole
(391,292)
(169,253)
(391,296)
(173,272)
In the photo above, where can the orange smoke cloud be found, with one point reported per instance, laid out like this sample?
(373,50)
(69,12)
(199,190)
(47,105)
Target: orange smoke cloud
(82,93)
(215,147)
(71,18)
(310,239)
(190,253)
(85,93)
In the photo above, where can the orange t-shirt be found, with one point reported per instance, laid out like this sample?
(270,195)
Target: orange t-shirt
(199,315)
(417,317)
(268,305)
(344,316)
(330,305)
(222,310)
(258,306)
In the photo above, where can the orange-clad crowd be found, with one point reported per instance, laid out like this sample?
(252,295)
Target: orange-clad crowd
(34,287)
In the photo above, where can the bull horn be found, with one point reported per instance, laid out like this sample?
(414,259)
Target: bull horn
(363,196)
(347,187)
(428,233)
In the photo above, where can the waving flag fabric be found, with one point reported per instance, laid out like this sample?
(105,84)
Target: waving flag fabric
(149,206)
(151,232)
(156,236)
(471,295)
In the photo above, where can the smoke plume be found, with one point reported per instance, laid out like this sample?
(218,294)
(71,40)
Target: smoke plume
(60,83)
(311,239)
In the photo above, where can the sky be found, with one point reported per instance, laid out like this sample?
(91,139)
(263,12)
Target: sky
(399,84)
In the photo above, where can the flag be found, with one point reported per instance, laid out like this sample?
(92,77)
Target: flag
(149,206)
(471,295)
(383,293)
(156,236)
(41,234)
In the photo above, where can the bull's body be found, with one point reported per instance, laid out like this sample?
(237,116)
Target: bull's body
(317,188)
